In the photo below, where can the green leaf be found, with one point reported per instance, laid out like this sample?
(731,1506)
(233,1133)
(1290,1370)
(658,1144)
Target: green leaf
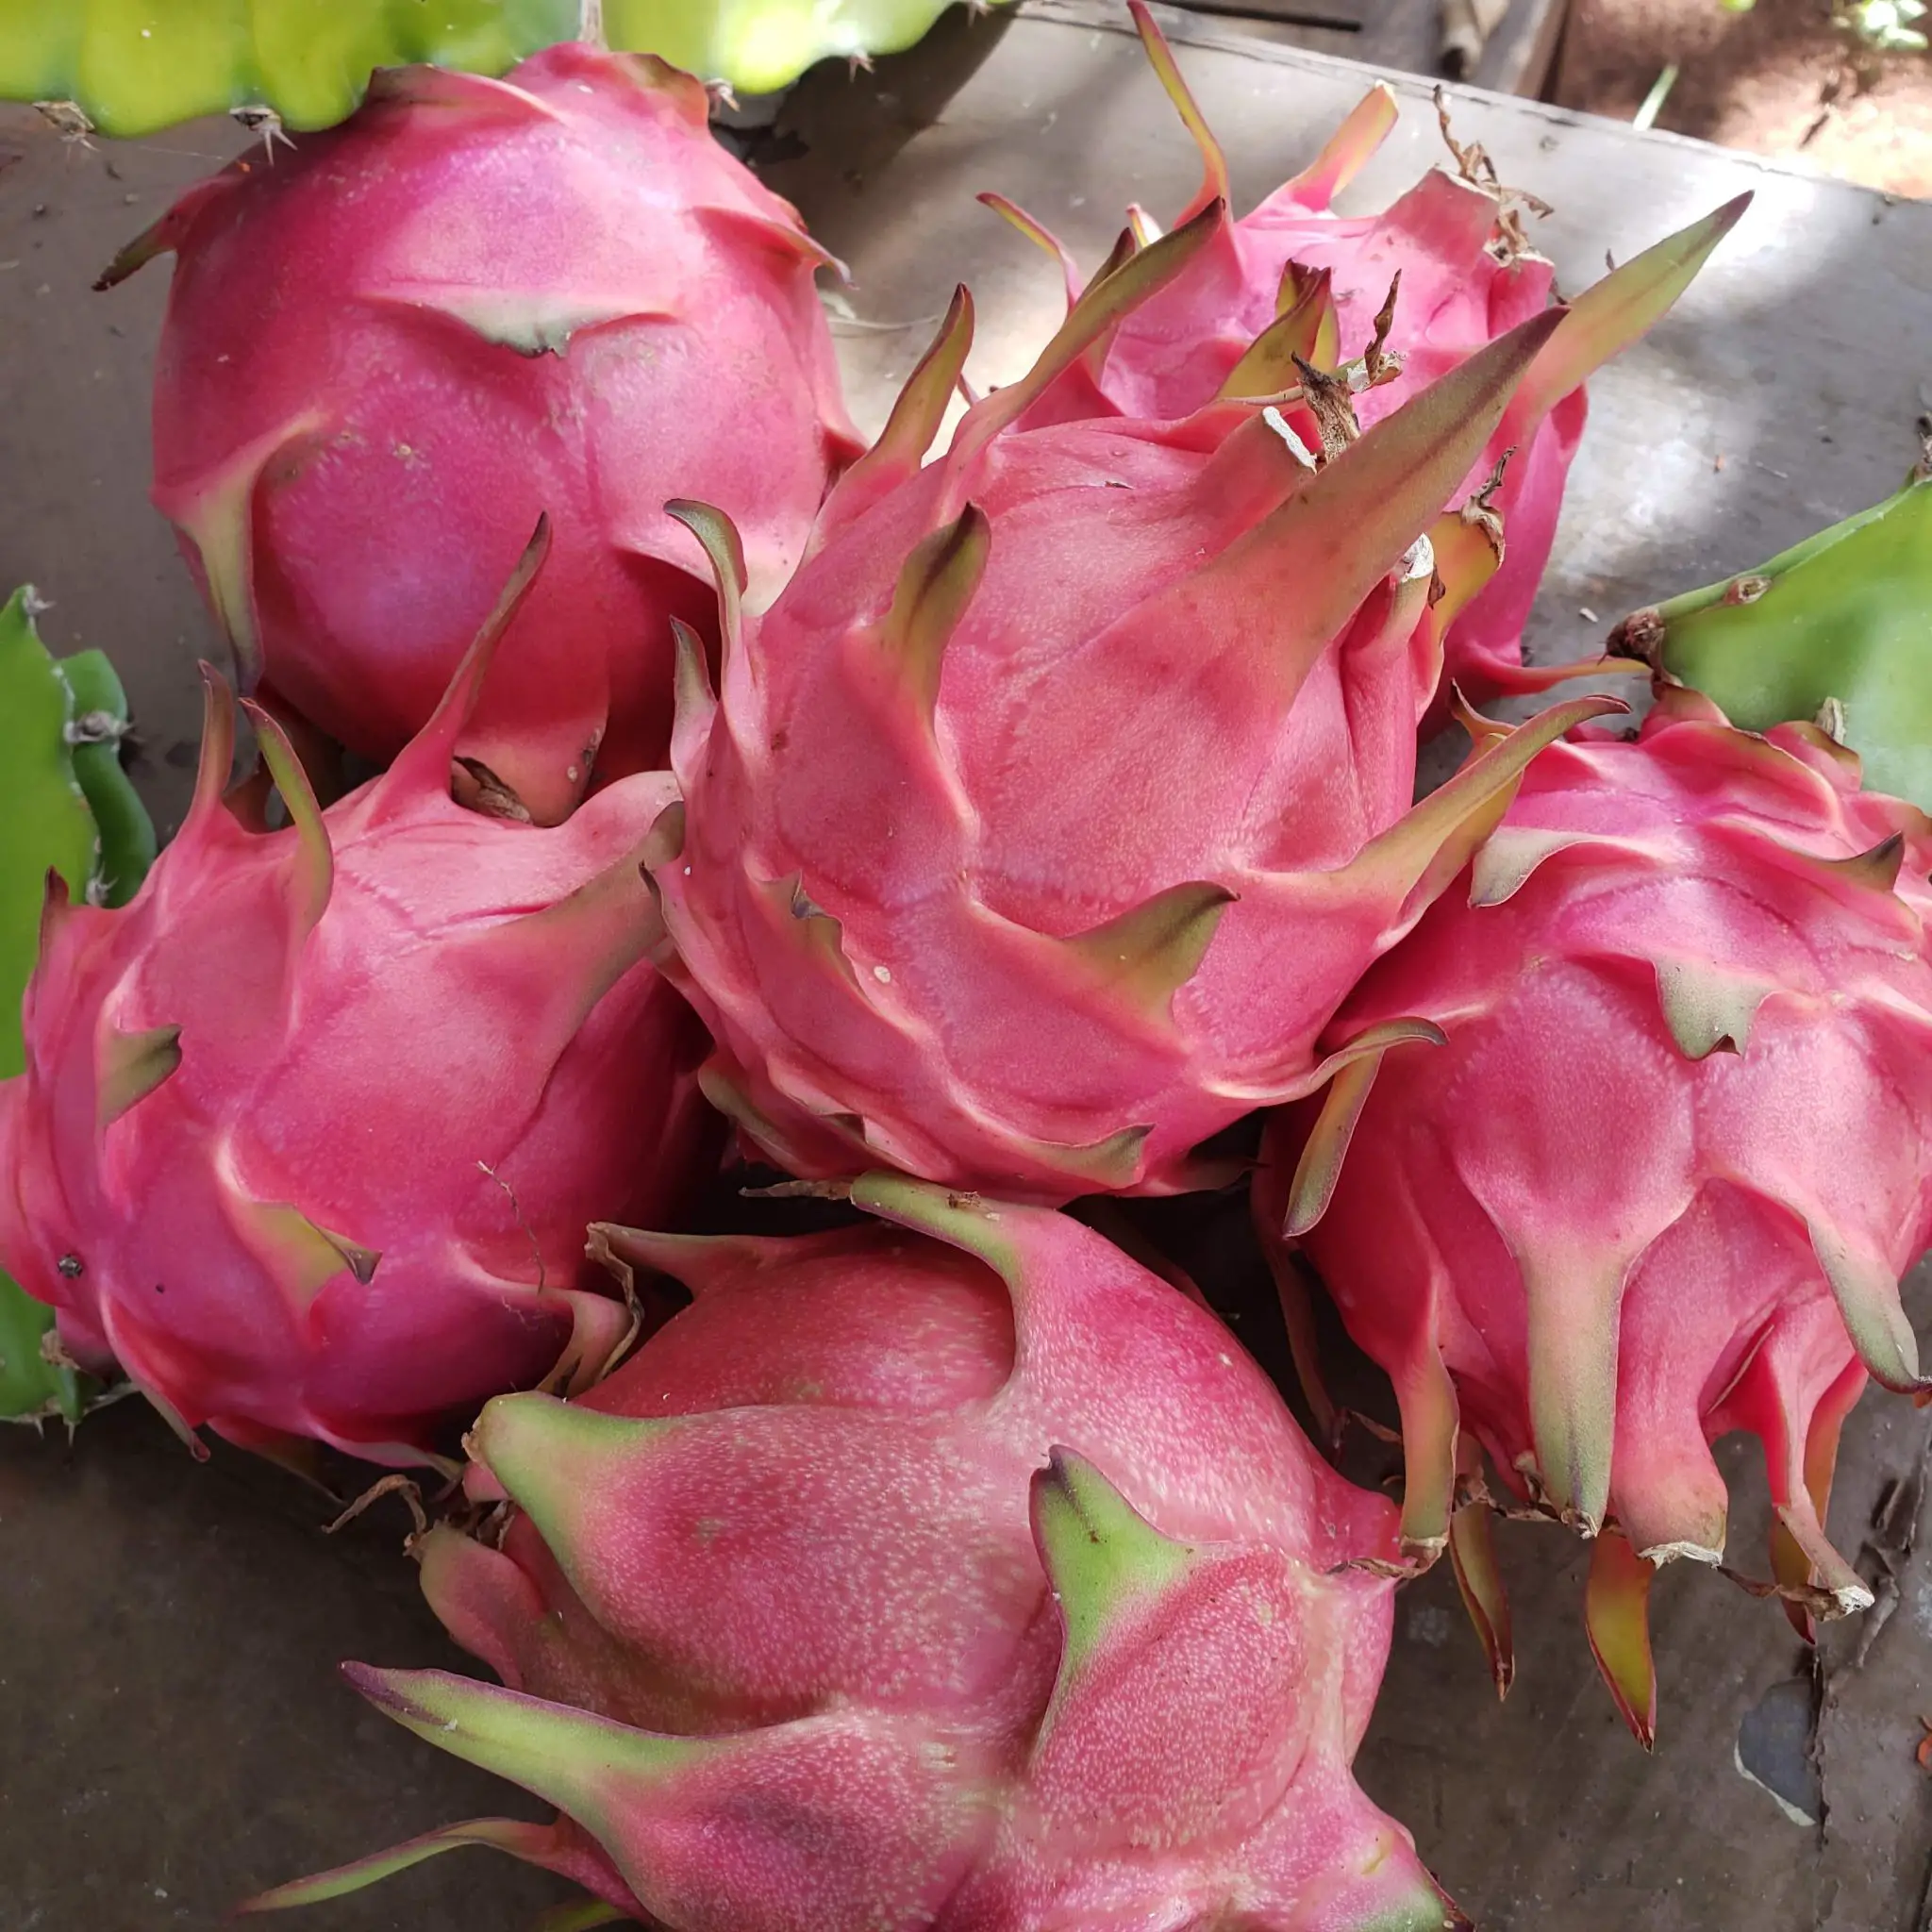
(44,820)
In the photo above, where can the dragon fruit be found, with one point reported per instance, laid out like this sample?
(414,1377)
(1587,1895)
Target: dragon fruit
(1662,1178)
(1051,810)
(308,1132)
(1292,279)
(476,301)
(971,1582)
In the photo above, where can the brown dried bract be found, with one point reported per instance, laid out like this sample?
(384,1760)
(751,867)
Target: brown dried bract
(394,1485)
(1381,364)
(1332,405)
(1473,164)
(477,788)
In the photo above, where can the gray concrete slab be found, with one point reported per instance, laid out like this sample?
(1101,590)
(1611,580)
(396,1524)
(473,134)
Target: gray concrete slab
(172,1732)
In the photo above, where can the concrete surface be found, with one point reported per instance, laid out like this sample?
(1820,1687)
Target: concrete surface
(172,1732)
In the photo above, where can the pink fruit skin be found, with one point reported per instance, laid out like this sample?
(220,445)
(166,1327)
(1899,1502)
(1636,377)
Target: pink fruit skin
(1458,291)
(1467,276)
(355,1051)
(387,350)
(814,1553)
(948,908)
(1189,665)
(1173,355)
(1619,1251)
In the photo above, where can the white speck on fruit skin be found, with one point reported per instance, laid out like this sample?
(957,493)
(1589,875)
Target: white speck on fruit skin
(883,975)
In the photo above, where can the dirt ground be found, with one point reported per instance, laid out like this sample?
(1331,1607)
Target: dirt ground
(1779,80)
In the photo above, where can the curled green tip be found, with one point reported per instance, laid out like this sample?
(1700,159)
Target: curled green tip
(719,535)
(961,1220)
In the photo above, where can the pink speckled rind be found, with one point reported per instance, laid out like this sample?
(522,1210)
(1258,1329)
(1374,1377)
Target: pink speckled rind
(1023,1607)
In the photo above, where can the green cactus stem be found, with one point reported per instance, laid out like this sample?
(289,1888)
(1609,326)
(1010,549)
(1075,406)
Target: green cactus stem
(130,67)
(66,805)
(1835,630)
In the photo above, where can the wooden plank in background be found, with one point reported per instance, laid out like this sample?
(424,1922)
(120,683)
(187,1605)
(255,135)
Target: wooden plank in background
(1405,34)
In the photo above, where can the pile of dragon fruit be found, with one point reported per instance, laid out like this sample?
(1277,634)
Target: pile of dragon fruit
(1016,811)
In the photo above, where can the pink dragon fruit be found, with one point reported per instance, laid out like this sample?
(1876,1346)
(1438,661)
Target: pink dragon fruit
(476,300)
(1291,279)
(1053,807)
(310,1131)
(799,1634)
(1661,1180)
